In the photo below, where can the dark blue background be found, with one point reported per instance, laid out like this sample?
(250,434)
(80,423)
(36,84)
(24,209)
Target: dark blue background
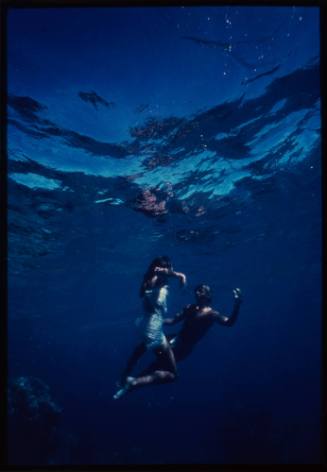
(248,394)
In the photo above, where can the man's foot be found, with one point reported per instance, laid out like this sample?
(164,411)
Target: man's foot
(122,391)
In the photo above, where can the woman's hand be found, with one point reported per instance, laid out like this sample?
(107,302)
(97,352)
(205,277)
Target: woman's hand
(162,270)
(182,279)
(170,272)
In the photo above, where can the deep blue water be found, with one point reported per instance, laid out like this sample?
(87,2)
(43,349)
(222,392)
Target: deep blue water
(191,132)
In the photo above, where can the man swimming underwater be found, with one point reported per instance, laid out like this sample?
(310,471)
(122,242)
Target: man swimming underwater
(197,319)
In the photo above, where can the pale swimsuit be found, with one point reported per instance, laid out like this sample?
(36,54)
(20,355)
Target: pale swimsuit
(151,323)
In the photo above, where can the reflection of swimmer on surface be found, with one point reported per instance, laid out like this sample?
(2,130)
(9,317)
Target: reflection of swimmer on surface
(197,319)
(154,292)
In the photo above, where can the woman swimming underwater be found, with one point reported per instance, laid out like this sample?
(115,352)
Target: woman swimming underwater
(154,292)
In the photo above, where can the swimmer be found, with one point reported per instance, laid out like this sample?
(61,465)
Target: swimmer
(154,292)
(197,319)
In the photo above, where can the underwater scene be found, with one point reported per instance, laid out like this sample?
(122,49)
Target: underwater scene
(192,133)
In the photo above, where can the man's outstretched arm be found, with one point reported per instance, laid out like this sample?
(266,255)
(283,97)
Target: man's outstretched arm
(177,318)
(230,320)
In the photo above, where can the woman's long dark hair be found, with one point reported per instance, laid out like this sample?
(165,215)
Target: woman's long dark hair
(161,261)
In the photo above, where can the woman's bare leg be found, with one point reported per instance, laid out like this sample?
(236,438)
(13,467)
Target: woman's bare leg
(158,363)
(125,379)
(132,361)
(166,357)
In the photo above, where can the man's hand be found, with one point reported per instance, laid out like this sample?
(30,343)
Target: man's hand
(237,294)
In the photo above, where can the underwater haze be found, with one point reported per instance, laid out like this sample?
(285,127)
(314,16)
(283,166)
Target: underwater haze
(191,132)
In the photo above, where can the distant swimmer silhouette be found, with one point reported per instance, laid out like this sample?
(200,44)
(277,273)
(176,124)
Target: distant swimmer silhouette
(197,319)
(154,292)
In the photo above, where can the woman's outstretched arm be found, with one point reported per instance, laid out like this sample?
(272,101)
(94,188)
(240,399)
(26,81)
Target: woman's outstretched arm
(172,273)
